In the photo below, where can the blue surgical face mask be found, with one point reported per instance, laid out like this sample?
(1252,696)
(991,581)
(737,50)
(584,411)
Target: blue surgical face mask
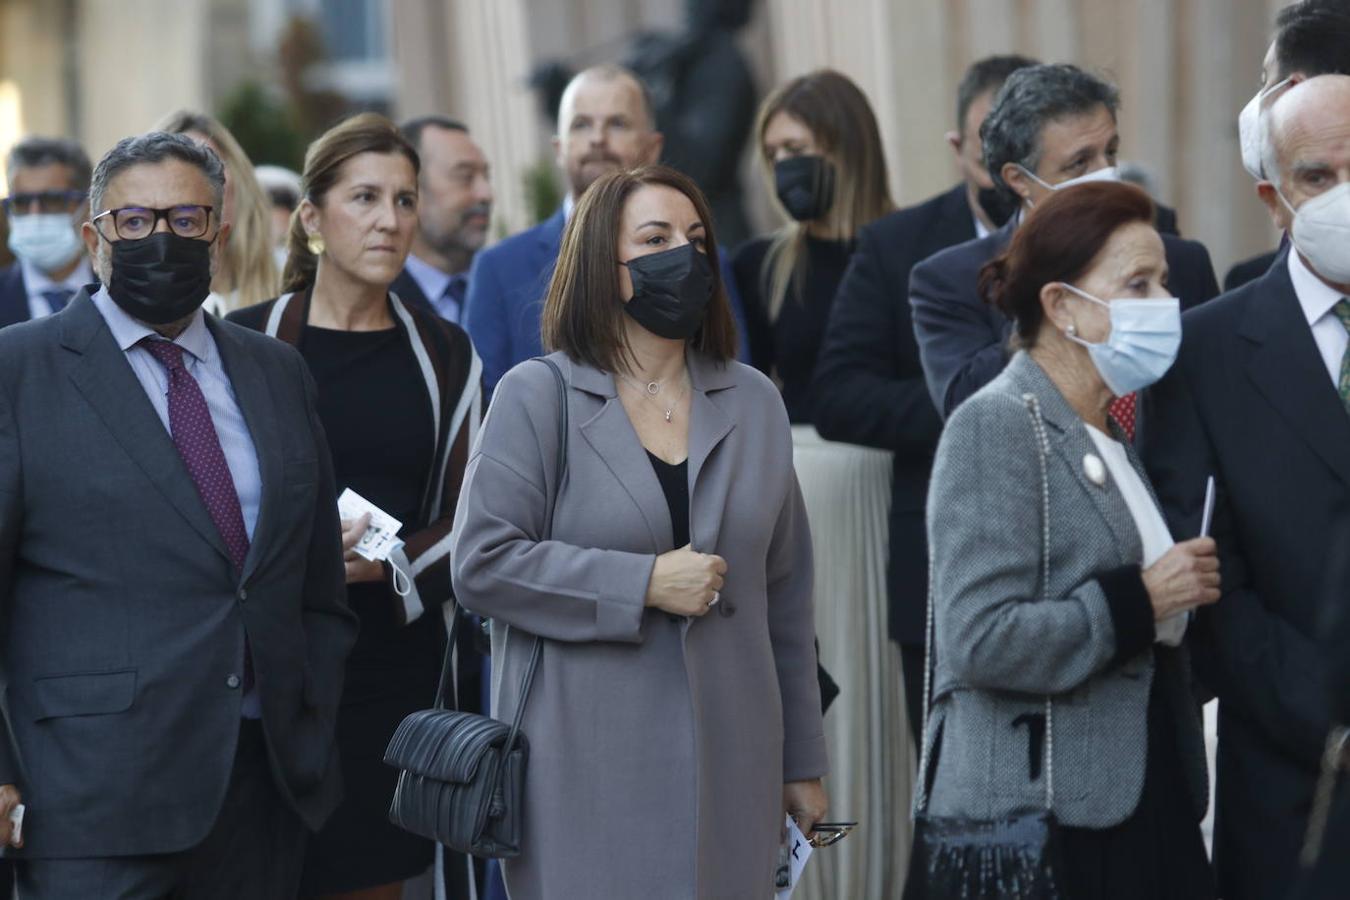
(1145,336)
(47,240)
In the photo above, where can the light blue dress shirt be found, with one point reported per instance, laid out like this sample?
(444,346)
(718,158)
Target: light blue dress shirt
(434,284)
(36,282)
(202,360)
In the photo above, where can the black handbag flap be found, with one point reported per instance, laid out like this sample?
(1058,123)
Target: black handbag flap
(446,745)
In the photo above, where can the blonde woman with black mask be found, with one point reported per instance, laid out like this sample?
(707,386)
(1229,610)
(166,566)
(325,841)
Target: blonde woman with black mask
(821,155)
(248,271)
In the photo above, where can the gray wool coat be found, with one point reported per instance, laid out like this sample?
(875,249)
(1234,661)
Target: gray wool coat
(1000,647)
(659,745)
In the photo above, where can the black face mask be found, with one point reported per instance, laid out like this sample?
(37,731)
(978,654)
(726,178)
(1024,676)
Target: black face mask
(805,186)
(998,206)
(162,278)
(671,290)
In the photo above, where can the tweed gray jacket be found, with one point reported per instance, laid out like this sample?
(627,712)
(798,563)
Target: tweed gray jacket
(1001,647)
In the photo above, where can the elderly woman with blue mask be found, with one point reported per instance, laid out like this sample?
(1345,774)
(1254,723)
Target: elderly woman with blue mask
(1059,678)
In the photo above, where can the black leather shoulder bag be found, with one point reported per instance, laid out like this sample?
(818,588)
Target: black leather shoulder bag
(462,778)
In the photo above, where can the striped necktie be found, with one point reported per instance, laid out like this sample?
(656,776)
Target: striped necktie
(1342,312)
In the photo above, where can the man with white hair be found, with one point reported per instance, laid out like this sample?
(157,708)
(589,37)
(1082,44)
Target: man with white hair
(1259,399)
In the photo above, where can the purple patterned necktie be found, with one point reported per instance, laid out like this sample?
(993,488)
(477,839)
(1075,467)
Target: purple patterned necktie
(194,434)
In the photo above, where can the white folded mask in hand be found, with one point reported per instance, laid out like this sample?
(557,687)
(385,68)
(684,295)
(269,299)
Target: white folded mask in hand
(381,537)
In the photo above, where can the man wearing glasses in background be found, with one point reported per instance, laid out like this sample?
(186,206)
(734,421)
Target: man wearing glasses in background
(48,182)
(171,578)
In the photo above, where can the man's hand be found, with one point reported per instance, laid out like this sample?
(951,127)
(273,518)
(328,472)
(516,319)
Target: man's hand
(9,798)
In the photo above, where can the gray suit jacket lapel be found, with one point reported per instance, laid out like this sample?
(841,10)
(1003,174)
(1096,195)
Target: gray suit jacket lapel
(612,437)
(259,410)
(610,433)
(1069,439)
(709,424)
(102,374)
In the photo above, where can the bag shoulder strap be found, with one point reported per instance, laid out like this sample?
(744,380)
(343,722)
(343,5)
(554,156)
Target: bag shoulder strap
(1043,452)
(444,691)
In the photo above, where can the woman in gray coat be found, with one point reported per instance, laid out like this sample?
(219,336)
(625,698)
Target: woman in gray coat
(675,715)
(1097,628)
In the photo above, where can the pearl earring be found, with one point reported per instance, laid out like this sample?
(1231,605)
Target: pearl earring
(1071,330)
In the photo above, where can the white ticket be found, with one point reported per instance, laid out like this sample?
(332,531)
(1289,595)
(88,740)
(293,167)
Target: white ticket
(381,538)
(798,850)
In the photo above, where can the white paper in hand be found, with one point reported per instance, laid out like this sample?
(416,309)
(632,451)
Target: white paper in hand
(1207,518)
(799,851)
(16,820)
(381,538)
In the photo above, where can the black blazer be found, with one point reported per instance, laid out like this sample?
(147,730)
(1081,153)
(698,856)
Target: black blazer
(1165,219)
(126,621)
(868,387)
(13,295)
(963,341)
(1250,269)
(1251,402)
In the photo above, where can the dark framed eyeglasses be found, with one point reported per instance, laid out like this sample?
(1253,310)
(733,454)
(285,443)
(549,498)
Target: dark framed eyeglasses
(26,203)
(132,223)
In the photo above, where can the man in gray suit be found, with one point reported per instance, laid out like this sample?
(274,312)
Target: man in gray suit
(171,579)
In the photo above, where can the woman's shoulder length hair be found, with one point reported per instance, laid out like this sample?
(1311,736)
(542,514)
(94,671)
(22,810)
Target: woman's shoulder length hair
(583,311)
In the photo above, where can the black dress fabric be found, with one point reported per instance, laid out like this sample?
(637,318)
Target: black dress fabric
(373,403)
(787,347)
(1158,852)
(675,485)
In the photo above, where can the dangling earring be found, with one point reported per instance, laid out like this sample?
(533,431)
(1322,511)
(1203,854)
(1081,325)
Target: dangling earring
(316,244)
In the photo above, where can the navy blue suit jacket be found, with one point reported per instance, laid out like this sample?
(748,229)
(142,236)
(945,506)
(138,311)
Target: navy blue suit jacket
(507,286)
(1250,401)
(13,295)
(1251,269)
(963,341)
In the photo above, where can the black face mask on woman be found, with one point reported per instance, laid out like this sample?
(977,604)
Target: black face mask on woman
(671,290)
(805,186)
(162,278)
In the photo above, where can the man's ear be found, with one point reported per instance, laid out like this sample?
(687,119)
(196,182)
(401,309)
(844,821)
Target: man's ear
(953,139)
(1279,213)
(656,142)
(89,234)
(1014,176)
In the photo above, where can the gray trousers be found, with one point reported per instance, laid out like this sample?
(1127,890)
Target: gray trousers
(255,850)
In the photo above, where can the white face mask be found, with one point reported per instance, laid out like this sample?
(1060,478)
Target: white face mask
(1106,173)
(1251,136)
(47,240)
(1321,232)
(1145,336)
